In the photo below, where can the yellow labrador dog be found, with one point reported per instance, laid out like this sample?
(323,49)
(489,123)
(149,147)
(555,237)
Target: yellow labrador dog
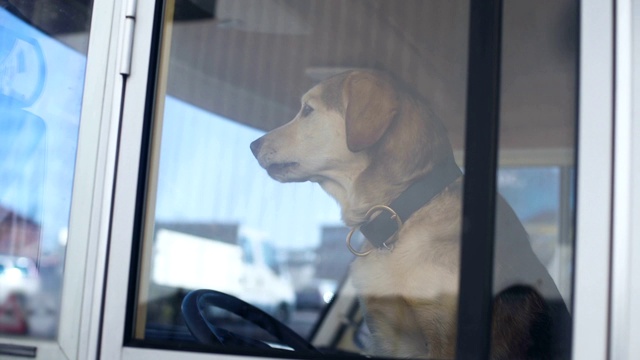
(368,142)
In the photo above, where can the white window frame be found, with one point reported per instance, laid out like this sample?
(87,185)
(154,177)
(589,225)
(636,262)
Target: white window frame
(593,211)
(595,201)
(625,291)
(91,200)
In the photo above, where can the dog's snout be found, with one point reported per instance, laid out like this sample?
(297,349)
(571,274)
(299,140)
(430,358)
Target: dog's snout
(255,146)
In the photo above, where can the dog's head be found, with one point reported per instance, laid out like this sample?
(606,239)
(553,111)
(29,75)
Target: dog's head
(352,122)
(338,119)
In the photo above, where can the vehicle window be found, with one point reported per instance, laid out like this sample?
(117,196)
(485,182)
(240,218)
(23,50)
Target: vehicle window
(43,49)
(547,217)
(535,206)
(310,158)
(270,258)
(247,250)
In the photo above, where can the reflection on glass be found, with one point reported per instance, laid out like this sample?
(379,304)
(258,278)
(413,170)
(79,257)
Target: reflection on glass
(214,229)
(215,219)
(41,82)
(536,152)
(541,196)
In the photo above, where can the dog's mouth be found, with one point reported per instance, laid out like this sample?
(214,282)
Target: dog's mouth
(278,170)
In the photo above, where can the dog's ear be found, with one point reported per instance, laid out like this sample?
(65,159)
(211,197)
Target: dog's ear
(371,106)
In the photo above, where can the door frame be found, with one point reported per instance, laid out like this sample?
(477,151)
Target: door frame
(594,190)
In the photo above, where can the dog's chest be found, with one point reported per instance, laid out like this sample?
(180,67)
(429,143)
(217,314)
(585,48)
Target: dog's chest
(421,266)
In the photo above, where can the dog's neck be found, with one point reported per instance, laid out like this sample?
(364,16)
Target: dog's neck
(397,164)
(356,196)
(342,186)
(366,195)
(353,212)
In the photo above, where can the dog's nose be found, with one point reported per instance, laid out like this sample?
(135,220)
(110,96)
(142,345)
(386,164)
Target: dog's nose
(255,147)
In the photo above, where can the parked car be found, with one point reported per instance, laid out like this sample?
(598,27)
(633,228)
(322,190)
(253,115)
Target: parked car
(316,295)
(19,277)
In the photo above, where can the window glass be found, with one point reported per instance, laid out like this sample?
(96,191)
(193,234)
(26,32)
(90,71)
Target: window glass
(534,262)
(43,47)
(242,201)
(542,198)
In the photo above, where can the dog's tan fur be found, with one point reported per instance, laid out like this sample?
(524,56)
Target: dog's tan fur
(365,140)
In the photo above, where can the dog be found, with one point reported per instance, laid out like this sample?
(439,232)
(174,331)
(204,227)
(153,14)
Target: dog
(366,139)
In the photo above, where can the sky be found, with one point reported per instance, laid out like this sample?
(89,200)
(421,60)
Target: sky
(208,174)
(40,128)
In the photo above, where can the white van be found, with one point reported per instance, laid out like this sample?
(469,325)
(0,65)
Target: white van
(243,265)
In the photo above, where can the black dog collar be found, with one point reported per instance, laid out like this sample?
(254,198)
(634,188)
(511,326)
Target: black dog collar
(381,230)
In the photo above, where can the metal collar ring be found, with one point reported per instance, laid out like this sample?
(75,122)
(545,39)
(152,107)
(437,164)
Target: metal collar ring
(375,208)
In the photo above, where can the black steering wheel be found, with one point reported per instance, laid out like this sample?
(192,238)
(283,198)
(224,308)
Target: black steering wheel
(194,307)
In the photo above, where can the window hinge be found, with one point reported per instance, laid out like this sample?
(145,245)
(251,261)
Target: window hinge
(127,38)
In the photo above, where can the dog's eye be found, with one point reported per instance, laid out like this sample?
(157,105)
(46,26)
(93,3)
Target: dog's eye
(306,110)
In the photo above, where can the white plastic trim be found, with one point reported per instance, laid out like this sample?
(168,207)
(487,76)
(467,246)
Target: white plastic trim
(633,351)
(148,354)
(77,330)
(626,202)
(593,228)
(126,184)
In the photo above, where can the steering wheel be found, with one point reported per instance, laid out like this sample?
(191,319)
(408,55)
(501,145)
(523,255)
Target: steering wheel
(194,307)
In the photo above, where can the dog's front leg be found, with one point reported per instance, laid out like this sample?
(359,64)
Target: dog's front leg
(437,320)
(412,328)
